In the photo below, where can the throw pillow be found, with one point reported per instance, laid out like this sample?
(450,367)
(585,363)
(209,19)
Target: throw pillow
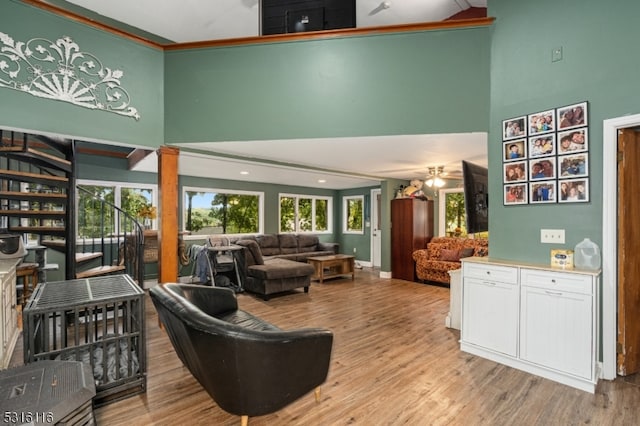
(482,252)
(449,255)
(466,252)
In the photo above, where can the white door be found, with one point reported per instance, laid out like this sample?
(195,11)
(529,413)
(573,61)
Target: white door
(376,233)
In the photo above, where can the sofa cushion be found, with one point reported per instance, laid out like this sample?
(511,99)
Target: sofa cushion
(466,252)
(307,243)
(274,269)
(291,256)
(269,244)
(288,243)
(253,253)
(442,265)
(449,255)
(433,250)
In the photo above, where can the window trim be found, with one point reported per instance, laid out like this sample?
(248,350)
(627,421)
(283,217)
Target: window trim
(345,214)
(117,199)
(327,198)
(259,194)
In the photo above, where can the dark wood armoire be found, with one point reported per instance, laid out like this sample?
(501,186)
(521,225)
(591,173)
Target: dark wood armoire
(411,229)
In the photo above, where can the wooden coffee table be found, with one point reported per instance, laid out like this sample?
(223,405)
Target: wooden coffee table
(332,266)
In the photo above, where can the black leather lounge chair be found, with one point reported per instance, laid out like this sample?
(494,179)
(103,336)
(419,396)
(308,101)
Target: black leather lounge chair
(248,366)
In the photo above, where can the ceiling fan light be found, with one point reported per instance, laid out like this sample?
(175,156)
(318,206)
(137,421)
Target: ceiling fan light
(438,182)
(429,182)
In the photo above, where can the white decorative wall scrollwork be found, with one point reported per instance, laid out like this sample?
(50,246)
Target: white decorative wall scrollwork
(60,71)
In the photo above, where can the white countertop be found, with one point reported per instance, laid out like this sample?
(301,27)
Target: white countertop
(540,266)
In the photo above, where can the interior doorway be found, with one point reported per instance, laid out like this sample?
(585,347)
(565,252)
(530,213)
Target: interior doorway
(611,222)
(376,232)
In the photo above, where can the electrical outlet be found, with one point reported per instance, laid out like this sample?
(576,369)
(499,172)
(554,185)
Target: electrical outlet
(355,249)
(552,236)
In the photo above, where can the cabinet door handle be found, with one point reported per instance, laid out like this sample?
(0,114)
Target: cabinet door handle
(553,293)
(489,283)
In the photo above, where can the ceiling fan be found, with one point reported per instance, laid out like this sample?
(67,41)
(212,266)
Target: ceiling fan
(434,177)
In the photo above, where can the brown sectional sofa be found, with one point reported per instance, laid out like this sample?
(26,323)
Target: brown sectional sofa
(443,254)
(274,263)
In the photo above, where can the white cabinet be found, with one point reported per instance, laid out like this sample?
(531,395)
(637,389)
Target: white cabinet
(557,321)
(492,320)
(8,312)
(535,318)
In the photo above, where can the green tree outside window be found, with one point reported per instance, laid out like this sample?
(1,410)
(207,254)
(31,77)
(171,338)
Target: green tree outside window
(455,214)
(218,212)
(354,214)
(300,213)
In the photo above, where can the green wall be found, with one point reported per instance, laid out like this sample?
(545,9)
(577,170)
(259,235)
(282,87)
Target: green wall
(408,83)
(143,79)
(599,65)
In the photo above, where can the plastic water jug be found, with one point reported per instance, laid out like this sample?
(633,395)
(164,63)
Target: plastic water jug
(587,255)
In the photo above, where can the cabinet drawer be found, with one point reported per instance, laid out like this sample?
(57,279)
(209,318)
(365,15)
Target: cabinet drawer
(503,274)
(557,281)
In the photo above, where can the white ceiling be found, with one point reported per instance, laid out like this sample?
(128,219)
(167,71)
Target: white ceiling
(342,162)
(197,20)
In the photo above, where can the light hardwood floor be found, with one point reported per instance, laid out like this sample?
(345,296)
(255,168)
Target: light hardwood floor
(393,363)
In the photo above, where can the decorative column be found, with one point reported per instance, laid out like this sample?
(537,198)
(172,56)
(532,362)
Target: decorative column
(168,201)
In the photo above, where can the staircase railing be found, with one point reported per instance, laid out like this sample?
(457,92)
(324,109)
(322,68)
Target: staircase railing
(39,196)
(103,227)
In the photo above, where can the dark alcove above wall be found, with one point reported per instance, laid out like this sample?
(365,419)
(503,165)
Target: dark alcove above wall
(292,16)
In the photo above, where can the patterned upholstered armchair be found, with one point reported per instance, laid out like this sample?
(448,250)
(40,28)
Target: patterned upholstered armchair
(443,254)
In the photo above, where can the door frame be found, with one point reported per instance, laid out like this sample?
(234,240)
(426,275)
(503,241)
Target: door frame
(609,239)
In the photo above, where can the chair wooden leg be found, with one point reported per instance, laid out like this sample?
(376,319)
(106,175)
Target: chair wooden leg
(317,394)
(244,420)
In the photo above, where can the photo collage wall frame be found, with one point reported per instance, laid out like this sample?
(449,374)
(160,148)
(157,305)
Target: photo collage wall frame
(545,157)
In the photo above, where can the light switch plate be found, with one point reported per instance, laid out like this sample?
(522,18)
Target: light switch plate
(552,236)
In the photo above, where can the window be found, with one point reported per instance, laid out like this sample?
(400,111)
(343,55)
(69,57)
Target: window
(138,200)
(452,214)
(353,214)
(304,213)
(218,211)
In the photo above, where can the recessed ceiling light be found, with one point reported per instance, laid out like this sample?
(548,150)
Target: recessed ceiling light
(244,172)
(322,181)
